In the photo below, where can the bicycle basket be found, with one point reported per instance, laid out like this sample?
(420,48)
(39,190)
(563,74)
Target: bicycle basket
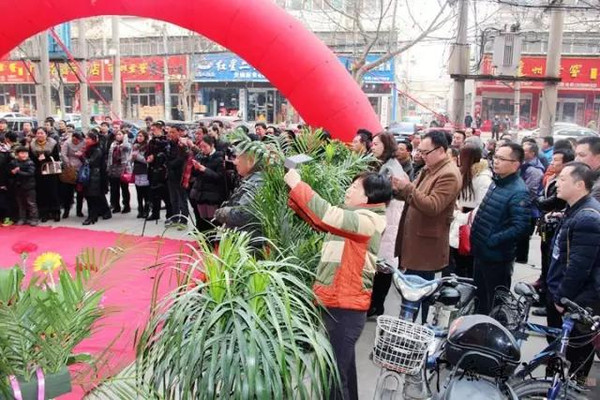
(507,309)
(401,345)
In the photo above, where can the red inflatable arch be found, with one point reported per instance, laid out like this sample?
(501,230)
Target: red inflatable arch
(275,43)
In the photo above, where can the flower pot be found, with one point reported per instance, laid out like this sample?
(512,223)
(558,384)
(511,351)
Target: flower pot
(55,385)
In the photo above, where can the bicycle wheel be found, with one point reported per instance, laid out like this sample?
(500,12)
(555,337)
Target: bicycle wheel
(538,389)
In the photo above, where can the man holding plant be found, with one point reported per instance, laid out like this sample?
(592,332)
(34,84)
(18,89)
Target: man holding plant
(347,266)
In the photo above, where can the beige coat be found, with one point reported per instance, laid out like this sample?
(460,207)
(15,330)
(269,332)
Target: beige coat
(422,242)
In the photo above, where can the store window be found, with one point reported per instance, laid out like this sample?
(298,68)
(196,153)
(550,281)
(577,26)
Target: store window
(26,95)
(4,95)
(220,101)
(142,95)
(261,105)
(570,109)
(505,106)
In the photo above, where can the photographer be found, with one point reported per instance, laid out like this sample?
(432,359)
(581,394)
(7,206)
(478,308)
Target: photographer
(156,157)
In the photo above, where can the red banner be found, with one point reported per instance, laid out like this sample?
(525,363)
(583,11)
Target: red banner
(575,72)
(133,69)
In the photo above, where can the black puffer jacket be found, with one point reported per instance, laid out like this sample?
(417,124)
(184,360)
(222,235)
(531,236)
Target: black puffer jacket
(24,179)
(575,266)
(209,185)
(502,219)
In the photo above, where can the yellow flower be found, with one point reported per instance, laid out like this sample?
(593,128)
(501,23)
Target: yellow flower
(47,262)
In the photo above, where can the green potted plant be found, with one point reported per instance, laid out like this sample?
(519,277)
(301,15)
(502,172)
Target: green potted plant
(41,322)
(249,329)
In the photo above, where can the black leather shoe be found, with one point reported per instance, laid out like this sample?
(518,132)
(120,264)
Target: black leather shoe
(126,210)
(107,215)
(153,218)
(89,221)
(65,214)
(79,214)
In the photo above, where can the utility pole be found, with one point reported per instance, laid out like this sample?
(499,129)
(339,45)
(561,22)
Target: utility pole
(167,91)
(116,86)
(460,64)
(550,93)
(83,86)
(45,108)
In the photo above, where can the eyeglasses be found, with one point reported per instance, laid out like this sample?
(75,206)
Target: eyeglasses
(498,158)
(426,153)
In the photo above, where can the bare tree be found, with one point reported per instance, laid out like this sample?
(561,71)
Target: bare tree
(379,24)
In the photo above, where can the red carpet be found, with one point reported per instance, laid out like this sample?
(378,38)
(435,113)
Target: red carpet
(128,284)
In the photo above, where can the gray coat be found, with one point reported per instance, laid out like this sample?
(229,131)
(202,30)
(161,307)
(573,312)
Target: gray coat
(67,153)
(116,168)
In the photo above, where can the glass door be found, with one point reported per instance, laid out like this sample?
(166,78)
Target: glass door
(261,105)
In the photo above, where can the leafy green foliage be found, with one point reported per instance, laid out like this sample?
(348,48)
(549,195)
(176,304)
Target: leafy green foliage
(329,174)
(251,331)
(41,321)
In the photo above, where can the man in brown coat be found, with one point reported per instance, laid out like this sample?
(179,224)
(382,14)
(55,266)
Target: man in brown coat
(422,243)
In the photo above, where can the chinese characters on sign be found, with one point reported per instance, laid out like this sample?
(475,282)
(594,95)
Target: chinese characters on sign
(574,71)
(227,67)
(133,69)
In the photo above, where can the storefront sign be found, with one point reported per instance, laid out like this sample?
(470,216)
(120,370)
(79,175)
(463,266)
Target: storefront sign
(575,72)
(14,72)
(133,69)
(227,67)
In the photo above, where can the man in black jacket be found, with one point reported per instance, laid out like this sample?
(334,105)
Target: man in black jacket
(177,156)
(575,268)
(500,222)
(156,157)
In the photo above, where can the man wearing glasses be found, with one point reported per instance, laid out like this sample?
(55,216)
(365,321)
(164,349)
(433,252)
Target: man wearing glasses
(501,221)
(422,244)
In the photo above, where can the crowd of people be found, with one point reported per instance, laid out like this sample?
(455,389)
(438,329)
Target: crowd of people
(46,170)
(407,210)
(503,191)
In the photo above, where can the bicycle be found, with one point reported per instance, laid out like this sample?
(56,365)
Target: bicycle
(562,385)
(402,347)
(513,312)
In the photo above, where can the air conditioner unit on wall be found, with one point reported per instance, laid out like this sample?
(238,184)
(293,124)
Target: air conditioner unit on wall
(507,53)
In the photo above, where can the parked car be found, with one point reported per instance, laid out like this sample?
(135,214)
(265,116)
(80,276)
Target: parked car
(576,132)
(562,130)
(16,121)
(418,121)
(228,122)
(403,131)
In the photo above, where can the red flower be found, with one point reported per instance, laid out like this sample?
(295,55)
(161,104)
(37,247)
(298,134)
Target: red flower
(24,247)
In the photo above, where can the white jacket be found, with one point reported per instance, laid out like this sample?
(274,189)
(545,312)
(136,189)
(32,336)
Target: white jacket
(481,183)
(393,212)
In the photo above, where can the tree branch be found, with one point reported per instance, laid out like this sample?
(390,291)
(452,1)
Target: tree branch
(432,27)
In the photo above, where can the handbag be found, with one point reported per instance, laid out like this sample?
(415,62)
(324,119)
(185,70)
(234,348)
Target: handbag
(464,237)
(83,175)
(52,167)
(127,177)
(68,175)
